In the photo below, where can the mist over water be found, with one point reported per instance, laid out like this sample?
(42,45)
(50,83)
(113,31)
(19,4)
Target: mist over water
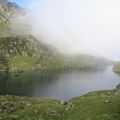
(82,26)
(58,85)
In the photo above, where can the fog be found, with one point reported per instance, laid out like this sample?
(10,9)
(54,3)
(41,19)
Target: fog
(78,26)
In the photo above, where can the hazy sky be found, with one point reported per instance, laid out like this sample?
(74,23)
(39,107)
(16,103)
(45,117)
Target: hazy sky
(85,26)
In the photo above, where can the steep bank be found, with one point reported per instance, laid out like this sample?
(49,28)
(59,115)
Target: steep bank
(92,106)
(116,68)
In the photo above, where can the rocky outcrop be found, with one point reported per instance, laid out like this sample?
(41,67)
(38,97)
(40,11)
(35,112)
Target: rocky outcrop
(8,10)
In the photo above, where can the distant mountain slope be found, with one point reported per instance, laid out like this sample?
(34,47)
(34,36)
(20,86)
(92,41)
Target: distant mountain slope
(20,50)
(27,53)
(8,10)
(82,61)
(24,52)
(117,68)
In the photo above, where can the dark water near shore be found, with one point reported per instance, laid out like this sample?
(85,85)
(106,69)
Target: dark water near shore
(58,85)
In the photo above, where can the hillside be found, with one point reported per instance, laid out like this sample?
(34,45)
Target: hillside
(116,68)
(8,11)
(83,61)
(27,53)
(102,105)
(24,53)
(19,50)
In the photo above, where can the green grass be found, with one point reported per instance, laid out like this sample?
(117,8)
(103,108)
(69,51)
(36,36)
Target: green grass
(101,105)
(23,62)
(17,53)
(117,68)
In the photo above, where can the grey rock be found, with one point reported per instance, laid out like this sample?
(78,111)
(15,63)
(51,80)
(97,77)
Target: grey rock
(107,101)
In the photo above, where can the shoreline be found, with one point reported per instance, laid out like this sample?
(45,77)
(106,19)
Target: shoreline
(94,105)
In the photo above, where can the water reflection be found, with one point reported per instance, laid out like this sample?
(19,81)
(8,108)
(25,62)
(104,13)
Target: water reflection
(55,84)
(25,83)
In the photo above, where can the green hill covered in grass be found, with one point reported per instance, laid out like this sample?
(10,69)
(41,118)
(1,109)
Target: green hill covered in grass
(101,105)
(26,53)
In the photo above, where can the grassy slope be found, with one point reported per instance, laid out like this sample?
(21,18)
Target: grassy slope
(101,105)
(15,48)
(88,62)
(26,53)
(117,68)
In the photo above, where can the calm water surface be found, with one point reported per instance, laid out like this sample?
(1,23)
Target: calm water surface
(58,85)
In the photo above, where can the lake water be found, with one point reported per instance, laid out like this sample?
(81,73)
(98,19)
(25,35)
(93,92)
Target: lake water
(58,85)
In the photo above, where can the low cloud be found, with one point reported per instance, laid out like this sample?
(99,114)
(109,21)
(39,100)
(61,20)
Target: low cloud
(82,26)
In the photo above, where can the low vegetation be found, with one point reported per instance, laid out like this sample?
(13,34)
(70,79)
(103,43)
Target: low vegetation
(92,106)
(27,53)
(117,68)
